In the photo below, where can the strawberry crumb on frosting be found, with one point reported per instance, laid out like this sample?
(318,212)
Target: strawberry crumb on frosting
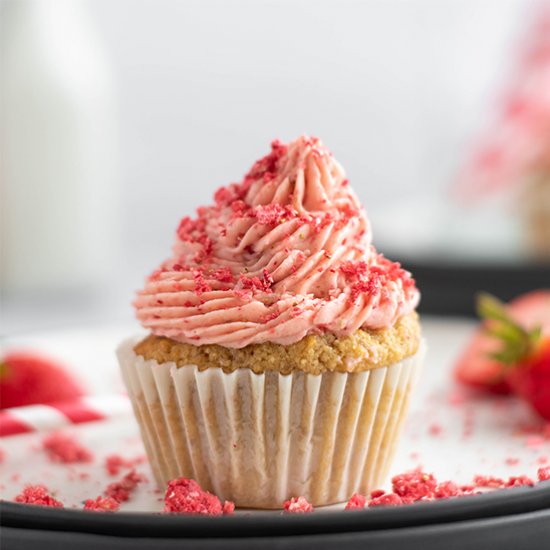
(290,228)
(38,495)
(185,496)
(297,505)
(66,449)
(102,504)
(543,474)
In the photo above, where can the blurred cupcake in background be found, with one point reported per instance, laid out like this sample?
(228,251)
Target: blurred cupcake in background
(283,347)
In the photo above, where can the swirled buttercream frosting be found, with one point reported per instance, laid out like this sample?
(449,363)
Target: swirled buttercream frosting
(284,253)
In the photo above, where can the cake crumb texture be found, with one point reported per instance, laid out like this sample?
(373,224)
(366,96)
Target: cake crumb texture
(315,353)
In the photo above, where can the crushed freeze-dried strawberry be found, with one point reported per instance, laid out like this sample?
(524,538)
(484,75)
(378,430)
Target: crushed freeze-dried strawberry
(489,481)
(447,489)
(65,448)
(356,502)
(39,496)
(185,496)
(201,285)
(273,214)
(297,505)
(415,484)
(102,504)
(255,283)
(115,463)
(377,493)
(543,474)
(518,481)
(390,499)
(122,490)
(354,269)
(223,274)
(228,508)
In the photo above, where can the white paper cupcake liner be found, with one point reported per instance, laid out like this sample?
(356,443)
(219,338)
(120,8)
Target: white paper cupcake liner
(259,439)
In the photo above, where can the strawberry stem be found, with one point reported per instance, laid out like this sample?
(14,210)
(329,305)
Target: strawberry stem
(517,342)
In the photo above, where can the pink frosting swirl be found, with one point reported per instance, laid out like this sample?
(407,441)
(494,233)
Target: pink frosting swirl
(282,254)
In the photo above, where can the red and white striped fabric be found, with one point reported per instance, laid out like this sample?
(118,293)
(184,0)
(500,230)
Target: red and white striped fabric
(38,418)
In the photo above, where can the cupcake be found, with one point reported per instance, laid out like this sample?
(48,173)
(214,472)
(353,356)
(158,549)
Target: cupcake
(281,347)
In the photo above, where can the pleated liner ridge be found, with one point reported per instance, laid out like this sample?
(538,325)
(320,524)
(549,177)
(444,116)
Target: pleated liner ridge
(259,439)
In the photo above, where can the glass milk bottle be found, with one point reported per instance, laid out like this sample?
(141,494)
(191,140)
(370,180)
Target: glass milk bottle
(58,149)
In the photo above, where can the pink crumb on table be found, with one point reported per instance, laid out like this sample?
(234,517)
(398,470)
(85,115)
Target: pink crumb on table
(356,502)
(102,504)
(65,449)
(37,495)
(297,505)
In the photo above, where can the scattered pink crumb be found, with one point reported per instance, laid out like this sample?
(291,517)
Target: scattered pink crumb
(102,504)
(37,495)
(390,499)
(2,455)
(456,397)
(15,477)
(414,456)
(517,481)
(299,505)
(356,502)
(415,484)
(435,429)
(185,496)
(64,448)
(115,463)
(228,508)
(489,481)
(512,461)
(447,489)
(542,460)
(543,474)
(122,490)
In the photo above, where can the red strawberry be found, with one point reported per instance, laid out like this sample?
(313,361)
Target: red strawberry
(524,349)
(27,379)
(476,367)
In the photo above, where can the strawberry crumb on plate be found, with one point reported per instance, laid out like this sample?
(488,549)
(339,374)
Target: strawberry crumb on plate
(297,505)
(356,502)
(102,504)
(185,496)
(122,490)
(37,495)
(66,449)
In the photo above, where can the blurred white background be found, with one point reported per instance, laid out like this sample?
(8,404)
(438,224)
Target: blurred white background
(195,90)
